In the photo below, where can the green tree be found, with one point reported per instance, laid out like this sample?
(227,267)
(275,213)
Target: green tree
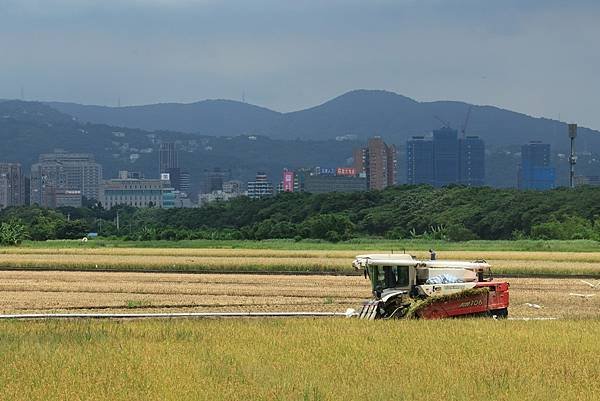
(323,226)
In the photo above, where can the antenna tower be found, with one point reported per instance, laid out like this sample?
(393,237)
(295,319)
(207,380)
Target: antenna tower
(572,157)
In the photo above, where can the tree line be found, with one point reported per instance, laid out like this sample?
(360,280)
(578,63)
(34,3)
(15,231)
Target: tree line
(454,213)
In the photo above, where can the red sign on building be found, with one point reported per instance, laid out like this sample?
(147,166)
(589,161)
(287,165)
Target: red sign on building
(288,181)
(346,171)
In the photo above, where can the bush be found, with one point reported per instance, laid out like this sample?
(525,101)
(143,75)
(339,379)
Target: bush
(12,233)
(168,235)
(148,234)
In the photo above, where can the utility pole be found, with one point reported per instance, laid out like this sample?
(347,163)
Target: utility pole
(117,221)
(572,157)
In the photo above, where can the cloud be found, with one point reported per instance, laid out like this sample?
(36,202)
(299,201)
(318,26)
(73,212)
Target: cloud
(539,57)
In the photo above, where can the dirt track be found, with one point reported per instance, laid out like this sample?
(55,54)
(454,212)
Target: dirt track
(29,291)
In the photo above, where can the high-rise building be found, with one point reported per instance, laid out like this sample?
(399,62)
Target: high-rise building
(378,162)
(167,157)
(185,182)
(168,163)
(212,180)
(174,177)
(419,161)
(4,192)
(472,161)
(58,172)
(261,187)
(12,185)
(287,185)
(26,190)
(358,155)
(536,171)
(445,156)
(445,159)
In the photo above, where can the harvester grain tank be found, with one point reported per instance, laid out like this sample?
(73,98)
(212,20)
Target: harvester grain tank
(405,287)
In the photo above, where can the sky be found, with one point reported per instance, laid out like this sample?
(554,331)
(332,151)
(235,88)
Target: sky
(539,57)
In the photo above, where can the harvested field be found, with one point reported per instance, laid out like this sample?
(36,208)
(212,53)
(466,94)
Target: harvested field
(215,260)
(30,291)
(81,291)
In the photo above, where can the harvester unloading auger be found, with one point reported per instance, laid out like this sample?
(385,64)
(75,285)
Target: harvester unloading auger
(404,287)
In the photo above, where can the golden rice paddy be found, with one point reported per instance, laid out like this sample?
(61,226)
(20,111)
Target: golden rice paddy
(284,359)
(215,260)
(300,359)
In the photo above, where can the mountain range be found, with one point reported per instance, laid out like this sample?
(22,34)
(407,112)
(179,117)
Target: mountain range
(28,129)
(357,114)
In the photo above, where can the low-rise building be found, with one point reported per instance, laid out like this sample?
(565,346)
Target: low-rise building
(231,189)
(215,196)
(318,184)
(592,180)
(137,192)
(261,187)
(320,180)
(68,198)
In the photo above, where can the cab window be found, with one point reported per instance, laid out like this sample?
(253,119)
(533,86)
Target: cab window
(396,276)
(383,277)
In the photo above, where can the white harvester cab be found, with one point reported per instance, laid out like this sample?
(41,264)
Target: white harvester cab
(397,274)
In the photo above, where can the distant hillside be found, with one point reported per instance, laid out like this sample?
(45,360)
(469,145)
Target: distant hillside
(28,129)
(362,113)
(208,117)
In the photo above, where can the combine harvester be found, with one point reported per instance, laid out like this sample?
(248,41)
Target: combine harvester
(404,287)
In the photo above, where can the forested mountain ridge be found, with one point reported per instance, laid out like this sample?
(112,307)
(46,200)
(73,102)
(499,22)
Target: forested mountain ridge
(362,113)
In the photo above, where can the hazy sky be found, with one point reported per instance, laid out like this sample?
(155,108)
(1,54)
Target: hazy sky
(541,57)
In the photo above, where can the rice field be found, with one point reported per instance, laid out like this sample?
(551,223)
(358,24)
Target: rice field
(274,260)
(299,359)
(63,291)
(284,359)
